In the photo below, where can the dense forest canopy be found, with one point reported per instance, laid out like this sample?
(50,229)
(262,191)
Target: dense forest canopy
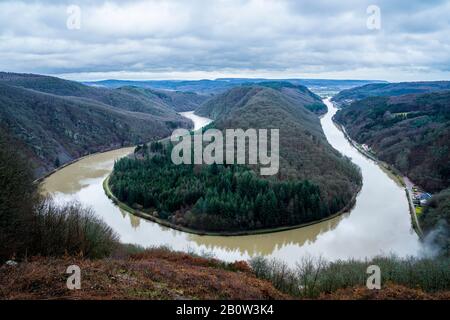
(56,121)
(33,225)
(218,197)
(346,97)
(411,132)
(296,94)
(314,180)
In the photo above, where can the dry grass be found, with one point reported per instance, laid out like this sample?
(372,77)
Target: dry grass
(388,292)
(159,274)
(154,274)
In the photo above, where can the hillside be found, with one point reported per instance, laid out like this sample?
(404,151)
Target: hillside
(314,180)
(302,141)
(212,87)
(176,100)
(296,94)
(67,120)
(411,132)
(155,102)
(347,96)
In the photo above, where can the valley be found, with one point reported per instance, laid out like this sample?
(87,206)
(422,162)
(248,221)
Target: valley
(373,227)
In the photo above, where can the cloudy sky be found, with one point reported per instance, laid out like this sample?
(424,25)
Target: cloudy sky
(192,39)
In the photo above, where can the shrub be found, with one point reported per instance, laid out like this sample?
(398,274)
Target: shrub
(17,195)
(311,277)
(70,229)
(32,225)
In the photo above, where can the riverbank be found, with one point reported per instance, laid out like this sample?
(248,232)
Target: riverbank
(168,224)
(105,150)
(392,172)
(48,174)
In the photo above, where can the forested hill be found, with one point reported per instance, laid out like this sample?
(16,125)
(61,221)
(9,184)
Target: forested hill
(304,151)
(176,100)
(412,132)
(57,121)
(297,94)
(314,180)
(346,97)
(155,102)
(212,87)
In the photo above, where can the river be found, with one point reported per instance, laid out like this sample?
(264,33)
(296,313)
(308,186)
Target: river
(379,223)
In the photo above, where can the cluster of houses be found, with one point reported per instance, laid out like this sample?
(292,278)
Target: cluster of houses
(420,198)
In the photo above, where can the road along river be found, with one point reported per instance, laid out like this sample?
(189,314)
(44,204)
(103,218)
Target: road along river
(378,224)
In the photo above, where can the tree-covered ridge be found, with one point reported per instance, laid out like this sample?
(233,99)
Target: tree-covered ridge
(176,100)
(313,182)
(56,129)
(435,221)
(56,120)
(239,96)
(298,94)
(305,154)
(411,132)
(346,97)
(155,102)
(217,197)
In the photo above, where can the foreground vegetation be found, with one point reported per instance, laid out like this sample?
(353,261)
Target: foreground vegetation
(32,225)
(156,273)
(159,273)
(315,277)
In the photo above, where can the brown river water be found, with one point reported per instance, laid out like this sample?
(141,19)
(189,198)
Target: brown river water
(378,224)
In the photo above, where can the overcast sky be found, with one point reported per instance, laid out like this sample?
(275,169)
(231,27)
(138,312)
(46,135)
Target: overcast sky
(192,39)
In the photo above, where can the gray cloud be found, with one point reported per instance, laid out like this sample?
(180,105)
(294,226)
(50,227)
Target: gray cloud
(191,39)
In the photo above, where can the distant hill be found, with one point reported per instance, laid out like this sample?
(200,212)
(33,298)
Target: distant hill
(347,96)
(57,120)
(176,100)
(297,94)
(208,87)
(313,182)
(411,132)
